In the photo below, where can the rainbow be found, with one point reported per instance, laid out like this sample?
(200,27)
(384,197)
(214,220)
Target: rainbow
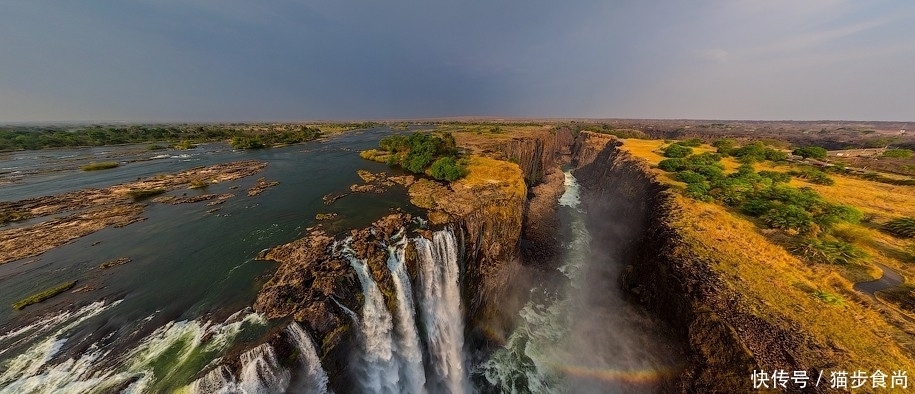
(639,377)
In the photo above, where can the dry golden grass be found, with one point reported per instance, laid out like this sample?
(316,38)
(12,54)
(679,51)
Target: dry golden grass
(484,172)
(478,138)
(782,289)
(882,200)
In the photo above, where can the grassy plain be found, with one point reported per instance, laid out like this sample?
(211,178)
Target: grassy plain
(786,289)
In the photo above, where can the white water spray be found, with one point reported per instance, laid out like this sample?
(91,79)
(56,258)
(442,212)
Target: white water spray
(380,372)
(311,377)
(440,300)
(408,348)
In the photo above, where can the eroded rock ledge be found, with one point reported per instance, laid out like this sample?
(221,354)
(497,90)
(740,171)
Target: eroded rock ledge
(90,210)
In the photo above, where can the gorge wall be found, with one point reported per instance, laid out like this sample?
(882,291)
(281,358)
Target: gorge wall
(629,207)
(502,209)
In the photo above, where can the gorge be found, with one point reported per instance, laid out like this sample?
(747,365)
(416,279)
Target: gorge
(532,274)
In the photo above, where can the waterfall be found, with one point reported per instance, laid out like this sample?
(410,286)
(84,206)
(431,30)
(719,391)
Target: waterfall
(379,370)
(581,335)
(440,300)
(311,377)
(260,374)
(408,347)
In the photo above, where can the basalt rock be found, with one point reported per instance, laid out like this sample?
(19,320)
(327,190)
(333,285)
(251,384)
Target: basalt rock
(537,156)
(724,340)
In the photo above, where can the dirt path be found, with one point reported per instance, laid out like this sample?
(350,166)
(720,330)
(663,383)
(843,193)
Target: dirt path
(890,279)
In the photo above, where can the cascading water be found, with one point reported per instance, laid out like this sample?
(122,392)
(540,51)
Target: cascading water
(379,370)
(440,300)
(311,378)
(581,337)
(408,347)
(260,374)
(170,354)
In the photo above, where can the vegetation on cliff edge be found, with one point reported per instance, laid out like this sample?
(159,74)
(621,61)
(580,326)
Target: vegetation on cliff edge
(422,153)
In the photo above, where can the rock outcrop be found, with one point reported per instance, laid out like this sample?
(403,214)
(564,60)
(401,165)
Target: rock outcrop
(315,282)
(626,207)
(538,155)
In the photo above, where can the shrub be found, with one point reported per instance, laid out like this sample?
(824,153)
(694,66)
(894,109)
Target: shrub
(677,151)
(725,146)
(185,144)
(775,155)
(775,176)
(901,227)
(248,142)
(99,166)
(788,217)
(750,153)
(808,152)
(705,159)
(898,153)
(447,168)
(816,176)
(689,177)
(732,190)
(692,142)
(756,206)
(710,172)
(828,252)
(673,165)
(198,184)
(699,191)
(845,213)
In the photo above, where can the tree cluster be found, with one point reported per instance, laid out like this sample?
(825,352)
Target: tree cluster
(418,152)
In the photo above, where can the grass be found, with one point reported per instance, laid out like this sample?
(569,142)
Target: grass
(784,290)
(901,227)
(100,166)
(875,198)
(486,172)
(139,194)
(44,295)
(764,273)
(9,216)
(198,184)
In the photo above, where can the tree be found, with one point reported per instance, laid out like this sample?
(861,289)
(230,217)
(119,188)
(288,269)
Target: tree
(811,152)
(676,151)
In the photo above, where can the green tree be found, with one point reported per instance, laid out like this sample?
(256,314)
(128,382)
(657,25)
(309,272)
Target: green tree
(811,152)
(677,151)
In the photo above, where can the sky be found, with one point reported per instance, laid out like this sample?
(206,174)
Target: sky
(292,60)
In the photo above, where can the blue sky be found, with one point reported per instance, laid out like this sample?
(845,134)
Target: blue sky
(286,60)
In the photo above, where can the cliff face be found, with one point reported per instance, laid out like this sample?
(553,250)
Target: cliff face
(487,206)
(538,155)
(629,208)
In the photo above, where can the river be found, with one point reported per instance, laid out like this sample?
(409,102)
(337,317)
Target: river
(181,301)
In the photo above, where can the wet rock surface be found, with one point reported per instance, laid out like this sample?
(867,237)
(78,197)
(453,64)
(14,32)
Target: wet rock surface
(90,210)
(262,185)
